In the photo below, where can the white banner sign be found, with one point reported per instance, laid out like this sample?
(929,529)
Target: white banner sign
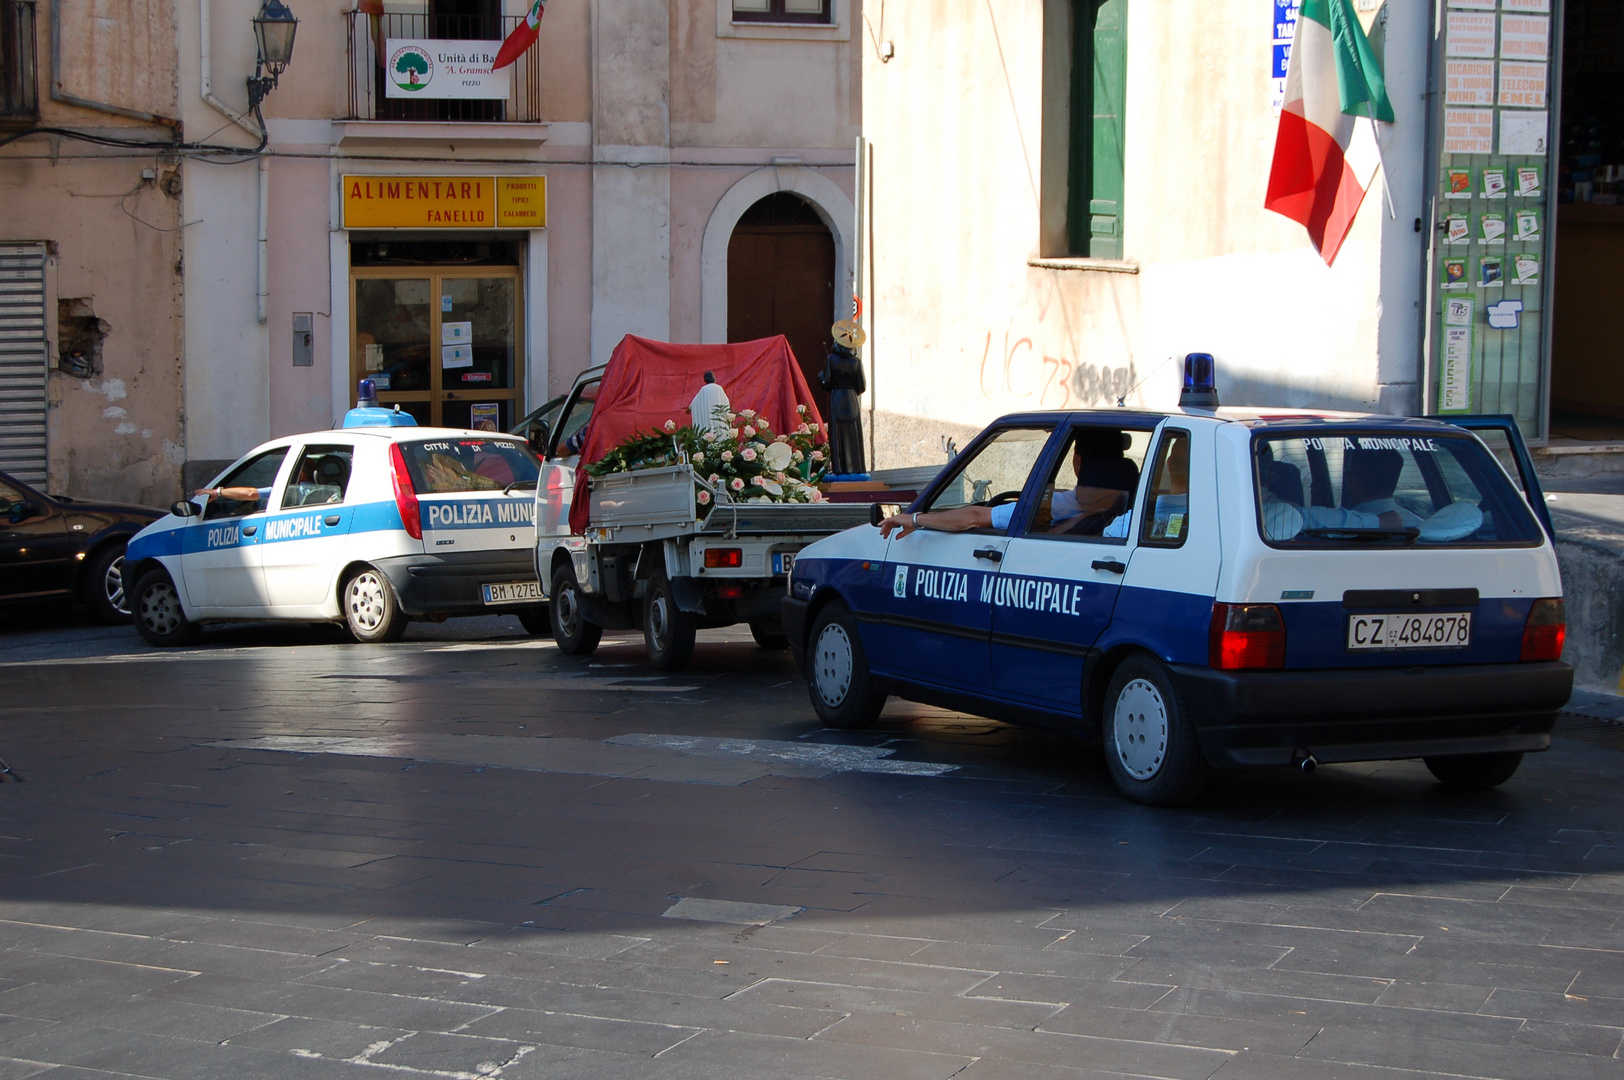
(426,68)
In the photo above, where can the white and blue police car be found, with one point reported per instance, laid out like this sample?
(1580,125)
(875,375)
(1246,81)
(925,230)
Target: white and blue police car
(372,524)
(1209,587)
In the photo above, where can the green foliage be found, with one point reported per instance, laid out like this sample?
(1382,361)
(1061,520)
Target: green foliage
(412,62)
(743,462)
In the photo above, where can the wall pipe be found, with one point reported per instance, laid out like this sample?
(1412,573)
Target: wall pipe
(263,254)
(205,80)
(205,86)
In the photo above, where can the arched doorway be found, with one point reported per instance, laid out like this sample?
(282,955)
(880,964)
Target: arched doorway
(781,280)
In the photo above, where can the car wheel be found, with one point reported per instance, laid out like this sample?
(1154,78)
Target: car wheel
(157,612)
(371,610)
(573,632)
(104,585)
(668,631)
(536,621)
(769,638)
(1150,746)
(1475,772)
(843,696)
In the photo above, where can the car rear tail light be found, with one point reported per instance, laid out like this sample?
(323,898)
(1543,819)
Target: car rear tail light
(1246,636)
(1545,631)
(727,558)
(405,494)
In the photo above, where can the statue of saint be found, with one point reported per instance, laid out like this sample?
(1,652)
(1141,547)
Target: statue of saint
(710,408)
(842,376)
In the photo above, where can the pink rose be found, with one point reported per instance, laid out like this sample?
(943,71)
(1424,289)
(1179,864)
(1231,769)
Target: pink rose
(748,413)
(814,495)
(670,425)
(714,478)
(803,430)
(704,496)
(749,432)
(736,484)
(727,455)
(748,454)
(817,455)
(779,477)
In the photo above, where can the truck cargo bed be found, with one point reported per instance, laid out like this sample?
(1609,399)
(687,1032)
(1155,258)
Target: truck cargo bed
(652,504)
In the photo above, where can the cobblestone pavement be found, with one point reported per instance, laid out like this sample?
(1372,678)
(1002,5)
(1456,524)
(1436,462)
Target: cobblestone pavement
(278,855)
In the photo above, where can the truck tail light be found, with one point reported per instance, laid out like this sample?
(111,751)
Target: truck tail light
(1545,631)
(405,494)
(724,558)
(1246,636)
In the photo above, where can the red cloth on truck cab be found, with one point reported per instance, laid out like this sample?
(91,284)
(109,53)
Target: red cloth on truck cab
(649,382)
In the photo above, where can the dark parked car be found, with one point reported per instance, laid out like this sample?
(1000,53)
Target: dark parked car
(54,549)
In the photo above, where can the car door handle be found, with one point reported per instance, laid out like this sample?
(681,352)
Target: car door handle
(331,519)
(250,530)
(1110,566)
(990,554)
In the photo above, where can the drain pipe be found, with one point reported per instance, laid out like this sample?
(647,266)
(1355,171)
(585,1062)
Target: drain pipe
(263,243)
(205,86)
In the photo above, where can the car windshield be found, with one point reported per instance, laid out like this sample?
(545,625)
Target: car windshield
(1356,488)
(468,464)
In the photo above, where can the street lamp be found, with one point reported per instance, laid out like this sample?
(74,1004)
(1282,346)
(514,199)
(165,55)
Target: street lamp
(274,28)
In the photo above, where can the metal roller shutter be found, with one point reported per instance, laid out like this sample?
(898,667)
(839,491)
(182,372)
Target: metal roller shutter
(23,362)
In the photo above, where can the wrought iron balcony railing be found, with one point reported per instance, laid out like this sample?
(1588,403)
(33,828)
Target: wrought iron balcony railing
(370,79)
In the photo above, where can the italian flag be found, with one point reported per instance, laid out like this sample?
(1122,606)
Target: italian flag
(524,35)
(1325,153)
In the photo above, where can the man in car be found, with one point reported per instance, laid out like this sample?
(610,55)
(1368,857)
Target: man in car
(1105,484)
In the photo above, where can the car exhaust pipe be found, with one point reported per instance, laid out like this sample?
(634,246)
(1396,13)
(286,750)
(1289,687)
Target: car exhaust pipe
(1304,761)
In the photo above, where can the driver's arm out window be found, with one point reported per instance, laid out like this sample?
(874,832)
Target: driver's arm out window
(1090,493)
(257,472)
(994,474)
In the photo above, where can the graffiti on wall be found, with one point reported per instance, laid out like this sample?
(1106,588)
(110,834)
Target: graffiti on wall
(1017,374)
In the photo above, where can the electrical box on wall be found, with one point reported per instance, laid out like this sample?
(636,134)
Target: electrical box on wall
(304,339)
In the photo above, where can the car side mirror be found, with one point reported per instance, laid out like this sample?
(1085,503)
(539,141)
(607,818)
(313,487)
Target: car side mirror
(536,438)
(186,508)
(878,512)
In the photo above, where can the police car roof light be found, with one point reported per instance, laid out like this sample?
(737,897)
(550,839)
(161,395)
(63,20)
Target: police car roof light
(1200,382)
(367,412)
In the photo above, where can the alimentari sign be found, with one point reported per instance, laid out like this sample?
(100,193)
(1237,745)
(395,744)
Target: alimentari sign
(431,68)
(445,202)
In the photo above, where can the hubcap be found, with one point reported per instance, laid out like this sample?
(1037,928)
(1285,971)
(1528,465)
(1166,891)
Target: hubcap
(659,620)
(1139,725)
(113,587)
(568,610)
(832,665)
(160,609)
(364,598)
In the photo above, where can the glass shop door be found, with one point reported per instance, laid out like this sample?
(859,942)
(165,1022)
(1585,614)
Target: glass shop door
(445,344)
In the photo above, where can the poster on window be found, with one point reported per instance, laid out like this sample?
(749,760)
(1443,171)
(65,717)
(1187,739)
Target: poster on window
(1523,86)
(1469,82)
(432,68)
(1455,380)
(1523,132)
(1470,36)
(1525,37)
(1468,131)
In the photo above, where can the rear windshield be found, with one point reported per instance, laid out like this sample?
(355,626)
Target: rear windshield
(469,464)
(1352,489)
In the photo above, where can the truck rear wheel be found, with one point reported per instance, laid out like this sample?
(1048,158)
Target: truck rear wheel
(668,631)
(1475,772)
(571,629)
(837,672)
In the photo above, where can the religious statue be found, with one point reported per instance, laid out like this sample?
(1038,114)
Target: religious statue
(710,408)
(842,376)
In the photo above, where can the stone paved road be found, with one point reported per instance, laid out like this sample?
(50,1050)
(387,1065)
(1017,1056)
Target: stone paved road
(278,855)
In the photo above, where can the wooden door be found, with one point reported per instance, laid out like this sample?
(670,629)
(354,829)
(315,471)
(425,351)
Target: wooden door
(781,280)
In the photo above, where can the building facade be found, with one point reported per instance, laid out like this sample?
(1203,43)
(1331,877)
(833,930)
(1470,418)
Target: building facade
(1067,196)
(680,169)
(91,267)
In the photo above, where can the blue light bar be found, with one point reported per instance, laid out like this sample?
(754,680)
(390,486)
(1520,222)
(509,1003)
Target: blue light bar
(1200,382)
(367,413)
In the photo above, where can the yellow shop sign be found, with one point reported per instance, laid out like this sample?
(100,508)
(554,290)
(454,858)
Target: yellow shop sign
(445,202)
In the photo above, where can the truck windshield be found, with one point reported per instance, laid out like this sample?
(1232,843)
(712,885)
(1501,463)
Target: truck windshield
(470,464)
(1357,488)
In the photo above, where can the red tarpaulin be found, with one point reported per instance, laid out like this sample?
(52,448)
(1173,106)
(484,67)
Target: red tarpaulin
(649,382)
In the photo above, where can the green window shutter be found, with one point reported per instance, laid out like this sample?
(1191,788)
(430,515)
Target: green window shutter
(1099,84)
(1110,86)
